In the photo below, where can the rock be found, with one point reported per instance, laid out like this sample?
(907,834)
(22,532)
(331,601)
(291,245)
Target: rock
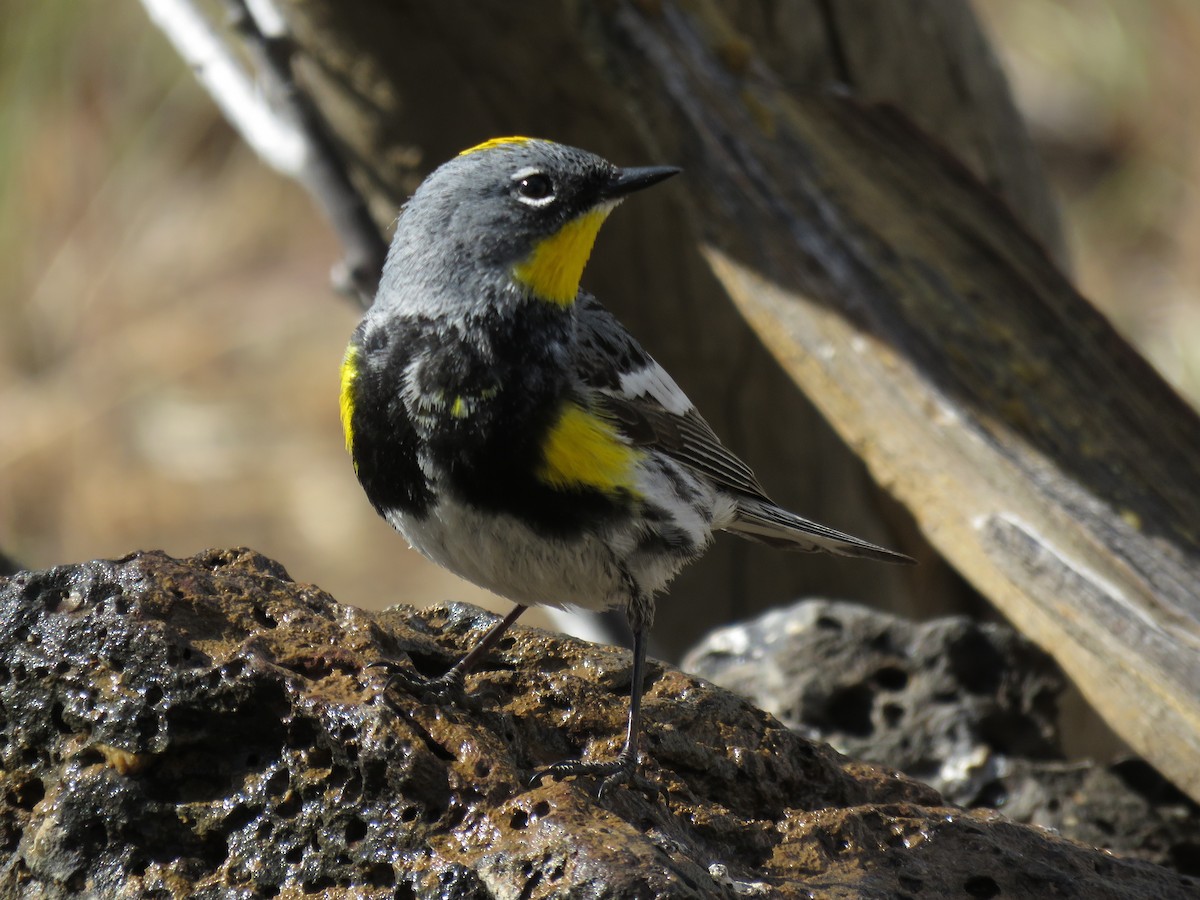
(1124,806)
(209,728)
(940,700)
(969,708)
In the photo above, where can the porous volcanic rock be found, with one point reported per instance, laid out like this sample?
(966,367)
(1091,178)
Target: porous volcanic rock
(208,728)
(970,708)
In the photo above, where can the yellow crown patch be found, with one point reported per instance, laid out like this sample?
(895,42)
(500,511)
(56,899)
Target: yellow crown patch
(496,142)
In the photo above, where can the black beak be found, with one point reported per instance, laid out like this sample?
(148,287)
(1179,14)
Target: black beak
(626,181)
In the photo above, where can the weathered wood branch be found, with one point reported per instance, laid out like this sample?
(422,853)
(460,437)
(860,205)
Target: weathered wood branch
(1039,453)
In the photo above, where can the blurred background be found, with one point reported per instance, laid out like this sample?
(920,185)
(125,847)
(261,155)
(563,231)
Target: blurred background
(169,343)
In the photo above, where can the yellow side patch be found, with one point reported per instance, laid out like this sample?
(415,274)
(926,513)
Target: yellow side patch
(582,450)
(346,398)
(496,142)
(552,271)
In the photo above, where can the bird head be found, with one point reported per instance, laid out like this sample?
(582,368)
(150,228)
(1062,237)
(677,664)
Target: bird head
(524,208)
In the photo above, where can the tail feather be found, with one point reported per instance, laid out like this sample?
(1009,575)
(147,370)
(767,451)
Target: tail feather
(769,524)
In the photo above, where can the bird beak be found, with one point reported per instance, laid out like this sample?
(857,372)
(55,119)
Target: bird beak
(626,181)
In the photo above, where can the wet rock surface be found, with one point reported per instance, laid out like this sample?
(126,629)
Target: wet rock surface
(209,728)
(968,708)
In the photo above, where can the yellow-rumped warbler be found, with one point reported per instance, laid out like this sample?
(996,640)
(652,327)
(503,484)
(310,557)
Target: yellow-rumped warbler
(514,432)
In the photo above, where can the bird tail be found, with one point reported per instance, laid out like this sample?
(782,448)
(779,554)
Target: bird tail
(763,521)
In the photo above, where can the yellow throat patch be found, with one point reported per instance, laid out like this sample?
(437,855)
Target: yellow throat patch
(346,397)
(583,450)
(552,271)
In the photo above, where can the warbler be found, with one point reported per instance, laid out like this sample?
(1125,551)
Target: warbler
(510,428)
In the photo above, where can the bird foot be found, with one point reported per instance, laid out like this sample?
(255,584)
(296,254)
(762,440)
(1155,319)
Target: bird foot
(448,688)
(622,770)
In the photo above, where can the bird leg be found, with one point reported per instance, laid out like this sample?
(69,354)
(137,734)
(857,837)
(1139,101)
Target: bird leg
(449,686)
(624,767)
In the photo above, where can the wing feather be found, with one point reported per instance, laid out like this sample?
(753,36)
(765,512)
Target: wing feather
(646,405)
(686,438)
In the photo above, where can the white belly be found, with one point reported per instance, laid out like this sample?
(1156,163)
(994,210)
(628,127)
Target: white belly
(591,570)
(505,556)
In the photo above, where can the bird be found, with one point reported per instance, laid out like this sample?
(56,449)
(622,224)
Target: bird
(509,427)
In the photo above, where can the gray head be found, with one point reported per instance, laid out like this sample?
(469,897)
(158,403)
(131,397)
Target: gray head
(520,209)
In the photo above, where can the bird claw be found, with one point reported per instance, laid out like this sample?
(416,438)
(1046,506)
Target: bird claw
(622,770)
(447,688)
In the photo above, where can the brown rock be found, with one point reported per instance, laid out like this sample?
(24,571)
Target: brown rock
(208,728)
(969,708)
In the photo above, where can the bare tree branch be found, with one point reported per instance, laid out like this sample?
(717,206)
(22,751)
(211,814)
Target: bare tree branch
(277,140)
(278,121)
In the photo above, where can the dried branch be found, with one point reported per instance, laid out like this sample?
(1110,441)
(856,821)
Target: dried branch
(277,119)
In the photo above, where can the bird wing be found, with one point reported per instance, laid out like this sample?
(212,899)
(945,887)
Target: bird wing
(685,438)
(638,395)
(647,406)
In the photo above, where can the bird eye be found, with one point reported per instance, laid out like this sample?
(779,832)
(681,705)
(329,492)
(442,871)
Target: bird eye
(535,189)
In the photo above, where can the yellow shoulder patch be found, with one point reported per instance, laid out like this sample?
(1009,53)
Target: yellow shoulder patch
(553,270)
(346,397)
(496,142)
(583,450)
